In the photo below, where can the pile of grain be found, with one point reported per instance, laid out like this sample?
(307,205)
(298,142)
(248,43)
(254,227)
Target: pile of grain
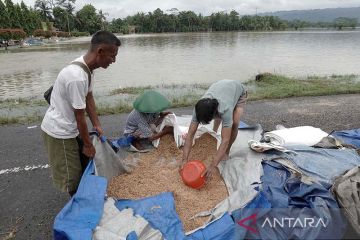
(157,172)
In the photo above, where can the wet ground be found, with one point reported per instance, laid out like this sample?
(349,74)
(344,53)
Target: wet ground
(29,203)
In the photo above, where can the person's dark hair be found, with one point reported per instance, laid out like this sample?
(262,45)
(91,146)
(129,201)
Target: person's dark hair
(206,109)
(104,37)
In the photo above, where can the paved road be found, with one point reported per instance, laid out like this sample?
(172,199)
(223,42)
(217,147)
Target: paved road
(29,203)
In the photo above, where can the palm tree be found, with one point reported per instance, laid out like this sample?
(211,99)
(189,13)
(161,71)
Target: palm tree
(69,8)
(43,7)
(102,17)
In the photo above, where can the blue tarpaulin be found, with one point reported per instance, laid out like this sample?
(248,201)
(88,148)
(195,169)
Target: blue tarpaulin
(243,125)
(81,215)
(322,164)
(245,218)
(160,212)
(83,212)
(351,137)
(294,205)
(281,195)
(221,229)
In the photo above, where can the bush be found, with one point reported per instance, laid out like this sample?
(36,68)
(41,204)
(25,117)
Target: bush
(62,34)
(15,34)
(38,33)
(79,34)
(42,33)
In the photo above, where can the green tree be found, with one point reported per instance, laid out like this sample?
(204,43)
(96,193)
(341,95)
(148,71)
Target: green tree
(277,24)
(102,17)
(44,9)
(60,18)
(205,23)
(66,18)
(12,14)
(234,20)
(4,16)
(19,20)
(139,21)
(158,20)
(117,25)
(88,20)
(34,20)
(188,21)
(297,24)
(24,17)
(173,20)
(218,21)
(342,22)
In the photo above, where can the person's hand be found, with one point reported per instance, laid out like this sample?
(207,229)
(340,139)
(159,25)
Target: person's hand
(183,162)
(209,172)
(136,134)
(184,136)
(99,130)
(89,150)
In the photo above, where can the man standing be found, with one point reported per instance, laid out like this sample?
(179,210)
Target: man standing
(224,102)
(64,125)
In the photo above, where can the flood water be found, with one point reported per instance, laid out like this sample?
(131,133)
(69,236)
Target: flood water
(186,58)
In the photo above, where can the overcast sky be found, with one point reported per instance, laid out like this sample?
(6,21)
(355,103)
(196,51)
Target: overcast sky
(123,8)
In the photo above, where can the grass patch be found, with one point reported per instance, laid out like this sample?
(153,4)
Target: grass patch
(40,102)
(121,107)
(201,86)
(140,90)
(9,120)
(277,86)
(267,86)
(184,101)
(126,106)
(129,90)
(20,120)
(16,102)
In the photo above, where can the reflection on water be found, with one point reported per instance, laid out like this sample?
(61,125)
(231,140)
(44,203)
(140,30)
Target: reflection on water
(185,58)
(28,81)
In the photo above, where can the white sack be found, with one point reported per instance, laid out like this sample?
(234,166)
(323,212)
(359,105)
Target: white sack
(116,225)
(303,135)
(181,127)
(107,163)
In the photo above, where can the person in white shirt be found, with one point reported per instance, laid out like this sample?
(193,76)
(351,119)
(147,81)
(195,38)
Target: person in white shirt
(64,126)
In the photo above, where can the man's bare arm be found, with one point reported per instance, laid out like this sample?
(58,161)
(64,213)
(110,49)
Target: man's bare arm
(88,148)
(91,111)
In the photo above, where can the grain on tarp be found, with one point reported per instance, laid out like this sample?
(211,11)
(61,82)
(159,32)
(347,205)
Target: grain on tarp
(157,172)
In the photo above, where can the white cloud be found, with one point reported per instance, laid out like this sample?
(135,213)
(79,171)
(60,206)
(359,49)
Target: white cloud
(121,9)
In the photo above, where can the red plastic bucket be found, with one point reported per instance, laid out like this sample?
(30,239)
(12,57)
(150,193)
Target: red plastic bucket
(191,174)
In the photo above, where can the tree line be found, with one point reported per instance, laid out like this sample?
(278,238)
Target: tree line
(188,21)
(62,15)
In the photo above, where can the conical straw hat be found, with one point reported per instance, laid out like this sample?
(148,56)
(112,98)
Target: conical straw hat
(151,102)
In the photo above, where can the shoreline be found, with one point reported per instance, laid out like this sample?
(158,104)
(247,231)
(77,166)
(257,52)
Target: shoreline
(266,86)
